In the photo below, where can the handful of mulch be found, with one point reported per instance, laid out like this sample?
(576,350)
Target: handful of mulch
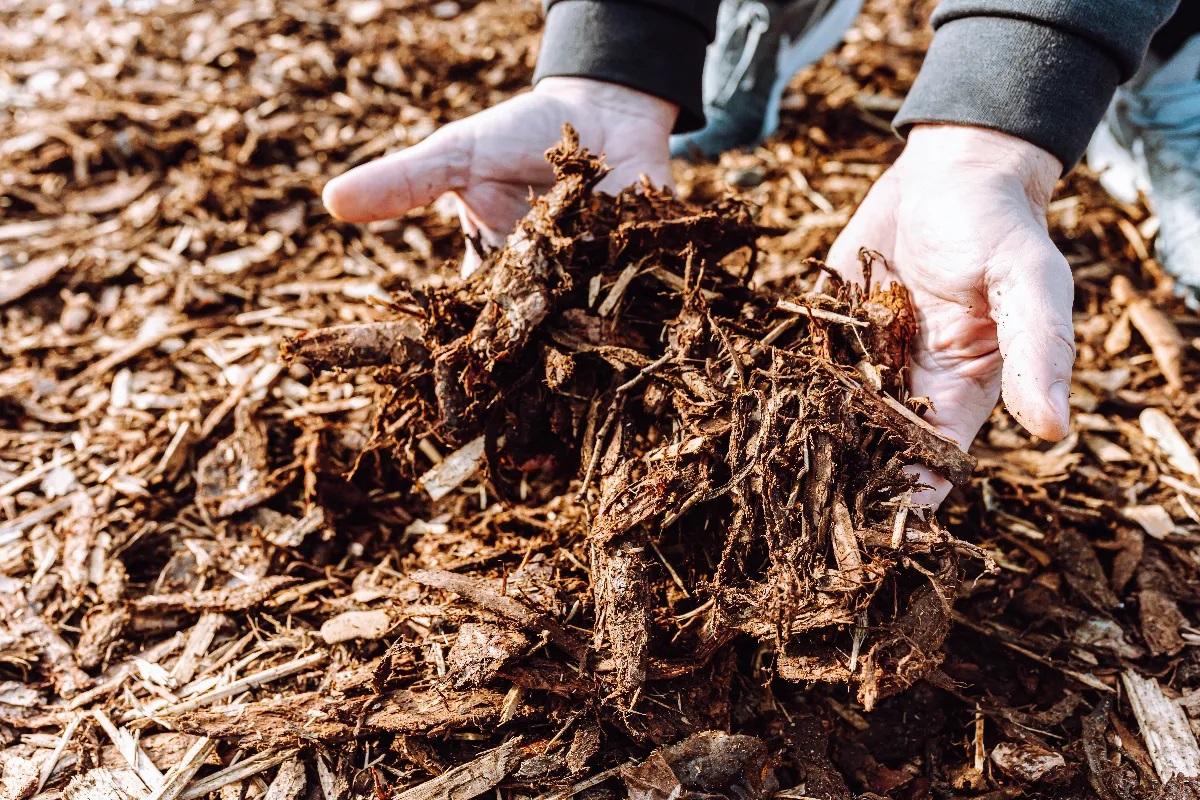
(735,458)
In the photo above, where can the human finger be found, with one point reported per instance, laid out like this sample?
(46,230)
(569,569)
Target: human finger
(1031,304)
(397,183)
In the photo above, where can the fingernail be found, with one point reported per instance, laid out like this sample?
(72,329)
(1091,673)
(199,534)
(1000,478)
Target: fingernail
(1060,401)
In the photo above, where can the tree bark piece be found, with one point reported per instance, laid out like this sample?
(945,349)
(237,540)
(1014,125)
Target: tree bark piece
(1164,727)
(393,343)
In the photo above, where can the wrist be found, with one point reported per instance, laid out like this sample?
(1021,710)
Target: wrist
(970,149)
(611,97)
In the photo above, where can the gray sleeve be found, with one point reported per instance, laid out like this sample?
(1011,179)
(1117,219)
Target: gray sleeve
(654,46)
(1041,70)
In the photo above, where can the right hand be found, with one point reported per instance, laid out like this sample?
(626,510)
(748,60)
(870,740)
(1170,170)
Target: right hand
(961,221)
(493,160)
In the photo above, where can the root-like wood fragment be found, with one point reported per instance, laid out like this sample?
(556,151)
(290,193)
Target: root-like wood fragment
(394,343)
(609,352)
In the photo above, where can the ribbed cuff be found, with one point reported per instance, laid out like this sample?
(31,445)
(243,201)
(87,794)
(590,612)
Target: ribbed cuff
(1035,82)
(634,45)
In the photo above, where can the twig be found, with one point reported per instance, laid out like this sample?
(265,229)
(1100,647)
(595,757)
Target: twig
(584,785)
(260,762)
(602,434)
(180,775)
(471,779)
(735,367)
(50,763)
(237,687)
(129,749)
(820,313)
(670,570)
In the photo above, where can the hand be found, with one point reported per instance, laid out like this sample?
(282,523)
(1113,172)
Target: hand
(493,160)
(961,219)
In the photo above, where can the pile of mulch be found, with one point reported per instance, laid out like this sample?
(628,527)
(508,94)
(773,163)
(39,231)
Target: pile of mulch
(609,369)
(288,510)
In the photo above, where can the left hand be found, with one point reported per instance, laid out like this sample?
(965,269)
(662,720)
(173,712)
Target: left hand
(493,160)
(961,220)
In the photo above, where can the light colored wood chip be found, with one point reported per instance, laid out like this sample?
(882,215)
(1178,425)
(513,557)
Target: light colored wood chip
(1159,427)
(289,782)
(199,640)
(1154,519)
(618,289)
(33,275)
(1106,451)
(512,702)
(333,784)
(1164,727)
(112,196)
(471,779)
(130,750)
(243,258)
(455,470)
(257,763)
(19,781)
(845,541)
(106,784)
(176,781)
(353,625)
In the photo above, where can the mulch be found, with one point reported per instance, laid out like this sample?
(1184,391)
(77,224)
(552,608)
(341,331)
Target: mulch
(287,509)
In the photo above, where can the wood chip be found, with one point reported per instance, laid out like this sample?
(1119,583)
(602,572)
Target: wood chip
(289,782)
(176,781)
(454,470)
(1164,727)
(353,625)
(243,258)
(129,749)
(1159,427)
(471,779)
(1154,520)
(21,281)
(254,765)
(20,778)
(106,784)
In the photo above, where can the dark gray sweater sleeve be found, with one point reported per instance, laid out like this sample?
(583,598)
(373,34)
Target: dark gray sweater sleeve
(654,46)
(1041,70)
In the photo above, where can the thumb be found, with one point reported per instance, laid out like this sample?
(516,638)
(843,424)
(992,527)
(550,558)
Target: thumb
(1031,306)
(397,183)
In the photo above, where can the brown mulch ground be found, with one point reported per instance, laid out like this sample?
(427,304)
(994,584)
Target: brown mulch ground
(223,571)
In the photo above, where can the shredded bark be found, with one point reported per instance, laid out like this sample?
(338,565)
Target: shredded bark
(289,510)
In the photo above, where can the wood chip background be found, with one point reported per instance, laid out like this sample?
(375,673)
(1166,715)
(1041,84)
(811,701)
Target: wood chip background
(195,599)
